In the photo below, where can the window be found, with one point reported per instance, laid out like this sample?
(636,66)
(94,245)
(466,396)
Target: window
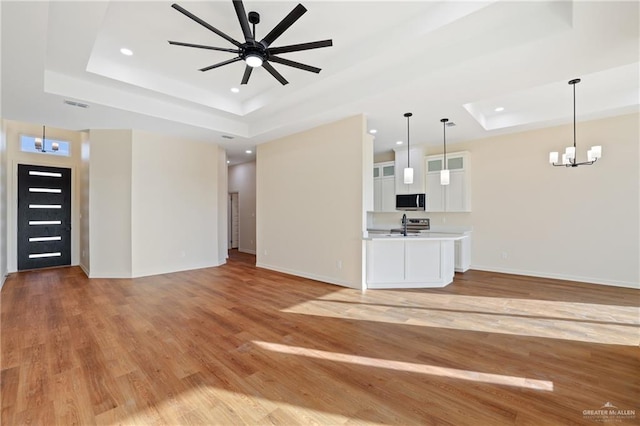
(28,144)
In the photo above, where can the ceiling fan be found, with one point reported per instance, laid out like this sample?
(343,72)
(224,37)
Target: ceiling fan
(256,53)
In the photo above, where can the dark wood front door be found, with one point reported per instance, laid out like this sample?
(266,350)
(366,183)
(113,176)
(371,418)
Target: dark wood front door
(44,216)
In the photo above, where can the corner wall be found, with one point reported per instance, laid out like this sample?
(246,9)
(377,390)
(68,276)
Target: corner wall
(174,204)
(242,179)
(311,202)
(110,203)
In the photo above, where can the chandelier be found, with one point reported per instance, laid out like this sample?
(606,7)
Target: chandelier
(569,156)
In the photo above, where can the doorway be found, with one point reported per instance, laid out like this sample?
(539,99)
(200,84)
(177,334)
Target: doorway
(234,220)
(44,217)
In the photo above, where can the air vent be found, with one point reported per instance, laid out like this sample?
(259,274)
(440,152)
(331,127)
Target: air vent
(227,137)
(75,104)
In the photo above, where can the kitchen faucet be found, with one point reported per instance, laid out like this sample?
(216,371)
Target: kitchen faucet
(404,224)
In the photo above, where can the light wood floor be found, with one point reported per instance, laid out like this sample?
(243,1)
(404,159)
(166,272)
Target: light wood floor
(240,345)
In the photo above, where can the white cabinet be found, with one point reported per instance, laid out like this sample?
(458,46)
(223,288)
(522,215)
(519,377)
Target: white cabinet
(384,187)
(463,254)
(455,197)
(422,261)
(385,261)
(417,164)
(409,263)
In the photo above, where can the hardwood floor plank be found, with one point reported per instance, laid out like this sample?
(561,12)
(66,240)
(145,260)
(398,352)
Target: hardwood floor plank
(242,345)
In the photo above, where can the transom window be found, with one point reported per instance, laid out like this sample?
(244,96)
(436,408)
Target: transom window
(48,146)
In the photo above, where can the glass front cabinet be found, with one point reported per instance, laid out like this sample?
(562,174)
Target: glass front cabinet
(455,197)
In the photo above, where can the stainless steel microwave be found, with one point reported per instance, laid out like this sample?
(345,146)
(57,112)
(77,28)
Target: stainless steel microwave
(410,201)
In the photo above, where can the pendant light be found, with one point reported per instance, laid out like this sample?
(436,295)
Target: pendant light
(39,143)
(569,156)
(444,173)
(408,171)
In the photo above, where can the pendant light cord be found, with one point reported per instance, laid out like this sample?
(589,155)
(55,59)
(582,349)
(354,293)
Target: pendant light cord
(444,138)
(408,145)
(408,114)
(574,124)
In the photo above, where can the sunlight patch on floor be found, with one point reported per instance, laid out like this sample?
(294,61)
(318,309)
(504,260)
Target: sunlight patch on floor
(410,367)
(209,405)
(593,323)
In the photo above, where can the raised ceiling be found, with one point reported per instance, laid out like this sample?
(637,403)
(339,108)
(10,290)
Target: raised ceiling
(437,59)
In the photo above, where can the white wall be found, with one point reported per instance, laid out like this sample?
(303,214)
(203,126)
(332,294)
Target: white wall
(174,207)
(3,202)
(311,202)
(223,201)
(242,179)
(85,211)
(3,184)
(15,156)
(110,203)
(579,223)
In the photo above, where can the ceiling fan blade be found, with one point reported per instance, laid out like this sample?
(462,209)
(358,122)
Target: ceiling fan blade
(299,47)
(242,17)
(247,74)
(294,64)
(230,61)
(288,20)
(200,46)
(267,66)
(188,14)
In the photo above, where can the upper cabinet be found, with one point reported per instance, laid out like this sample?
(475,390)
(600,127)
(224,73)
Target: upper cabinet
(455,197)
(417,154)
(384,189)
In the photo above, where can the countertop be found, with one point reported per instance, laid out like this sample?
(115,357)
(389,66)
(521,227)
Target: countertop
(428,235)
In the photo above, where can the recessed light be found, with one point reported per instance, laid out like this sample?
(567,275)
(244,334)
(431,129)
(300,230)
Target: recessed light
(228,161)
(248,151)
(373,131)
(126,52)
(399,143)
(235,90)
(499,109)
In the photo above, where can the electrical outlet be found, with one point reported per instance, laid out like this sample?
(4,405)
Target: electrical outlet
(504,255)
(265,252)
(339,264)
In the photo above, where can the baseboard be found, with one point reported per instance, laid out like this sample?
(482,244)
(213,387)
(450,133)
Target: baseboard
(84,269)
(329,280)
(589,280)
(247,251)
(2,280)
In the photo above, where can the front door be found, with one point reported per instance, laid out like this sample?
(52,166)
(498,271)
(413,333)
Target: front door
(44,217)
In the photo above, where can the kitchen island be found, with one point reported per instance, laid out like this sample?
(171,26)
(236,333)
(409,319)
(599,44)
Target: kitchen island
(421,260)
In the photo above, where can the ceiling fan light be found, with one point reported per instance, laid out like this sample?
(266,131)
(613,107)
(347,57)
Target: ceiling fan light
(253,60)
